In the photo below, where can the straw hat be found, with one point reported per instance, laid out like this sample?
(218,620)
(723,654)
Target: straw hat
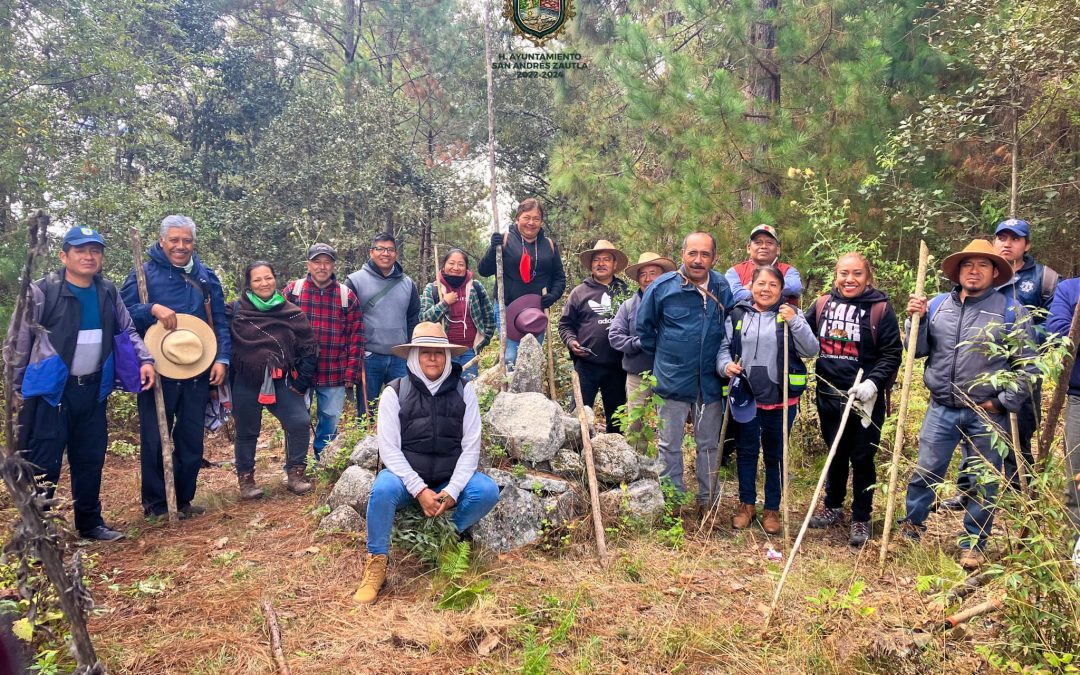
(428,334)
(649,258)
(603,245)
(525,316)
(184,352)
(980,248)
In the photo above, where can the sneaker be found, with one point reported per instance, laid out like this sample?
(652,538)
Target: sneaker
(771,523)
(298,483)
(971,559)
(957,503)
(190,511)
(860,533)
(744,515)
(102,533)
(827,517)
(374,577)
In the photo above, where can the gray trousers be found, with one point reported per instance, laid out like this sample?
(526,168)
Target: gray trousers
(636,399)
(707,419)
(1072,458)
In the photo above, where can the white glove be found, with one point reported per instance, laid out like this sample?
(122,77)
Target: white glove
(864,391)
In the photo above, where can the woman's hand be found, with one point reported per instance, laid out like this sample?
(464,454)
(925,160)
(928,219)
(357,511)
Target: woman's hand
(787,312)
(733,369)
(429,502)
(450,297)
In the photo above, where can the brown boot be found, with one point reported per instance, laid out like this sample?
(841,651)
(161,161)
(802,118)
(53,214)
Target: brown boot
(744,515)
(298,483)
(374,577)
(770,522)
(248,488)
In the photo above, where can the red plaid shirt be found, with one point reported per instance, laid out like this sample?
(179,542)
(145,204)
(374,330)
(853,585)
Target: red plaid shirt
(341,335)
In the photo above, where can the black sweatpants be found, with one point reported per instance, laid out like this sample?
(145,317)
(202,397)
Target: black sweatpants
(289,408)
(78,425)
(185,411)
(610,382)
(857,448)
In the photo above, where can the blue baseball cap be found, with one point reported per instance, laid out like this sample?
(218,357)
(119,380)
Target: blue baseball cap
(79,235)
(741,399)
(1018,227)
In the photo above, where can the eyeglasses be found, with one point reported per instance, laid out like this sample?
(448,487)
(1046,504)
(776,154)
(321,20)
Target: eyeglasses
(384,249)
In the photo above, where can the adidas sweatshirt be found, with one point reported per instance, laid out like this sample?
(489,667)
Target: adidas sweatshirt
(587,316)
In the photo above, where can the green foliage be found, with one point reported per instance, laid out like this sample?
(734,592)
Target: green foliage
(545,628)
(458,595)
(670,531)
(123,449)
(642,423)
(424,538)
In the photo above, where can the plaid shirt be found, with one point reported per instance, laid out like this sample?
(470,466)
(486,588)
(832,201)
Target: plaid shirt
(341,338)
(480,311)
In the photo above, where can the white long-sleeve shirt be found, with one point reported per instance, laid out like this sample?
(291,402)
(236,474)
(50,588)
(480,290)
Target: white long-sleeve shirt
(388,431)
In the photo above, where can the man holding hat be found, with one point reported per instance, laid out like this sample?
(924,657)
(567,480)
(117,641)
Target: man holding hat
(191,344)
(955,336)
(429,442)
(65,372)
(583,327)
(763,249)
(623,334)
(338,322)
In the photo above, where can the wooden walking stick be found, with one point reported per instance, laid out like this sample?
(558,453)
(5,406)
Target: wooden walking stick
(159,395)
(1021,463)
(901,415)
(813,500)
(552,389)
(590,471)
(495,227)
(785,435)
(1053,412)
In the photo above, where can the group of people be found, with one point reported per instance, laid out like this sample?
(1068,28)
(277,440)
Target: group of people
(706,344)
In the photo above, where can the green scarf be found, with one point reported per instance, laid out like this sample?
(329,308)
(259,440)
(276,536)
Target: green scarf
(265,305)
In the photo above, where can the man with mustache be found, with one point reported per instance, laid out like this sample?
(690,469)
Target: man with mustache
(681,323)
(763,249)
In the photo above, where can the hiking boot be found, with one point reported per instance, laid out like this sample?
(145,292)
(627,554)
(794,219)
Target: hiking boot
(770,522)
(248,488)
(374,577)
(860,532)
(744,515)
(971,559)
(190,511)
(827,517)
(910,531)
(957,503)
(298,483)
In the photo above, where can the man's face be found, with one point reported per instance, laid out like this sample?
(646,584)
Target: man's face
(83,261)
(321,268)
(647,274)
(977,274)
(178,244)
(698,257)
(384,253)
(603,266)
(763,249)
(1010,246)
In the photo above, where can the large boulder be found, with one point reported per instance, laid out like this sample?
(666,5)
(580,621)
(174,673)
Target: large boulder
(501,478)
(572,426)
(529,367)
(615,461)
(515,521)
(560,509)
(650,467)
(531,424)
(642,499)
(342,519)
(535,482)
(366,453)
(568,463)
(352,489)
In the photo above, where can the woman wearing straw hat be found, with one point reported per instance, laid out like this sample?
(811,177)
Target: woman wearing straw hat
(275,353)
(460,303)
(429,441)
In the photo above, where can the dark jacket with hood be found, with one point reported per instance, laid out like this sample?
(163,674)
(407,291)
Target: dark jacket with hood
(547,268)
(848,342)
(587,317)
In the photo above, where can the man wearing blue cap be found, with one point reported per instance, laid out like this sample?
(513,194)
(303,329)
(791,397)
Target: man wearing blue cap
(65,372)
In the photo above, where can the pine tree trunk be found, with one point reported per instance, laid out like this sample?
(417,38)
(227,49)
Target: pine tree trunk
(764,92)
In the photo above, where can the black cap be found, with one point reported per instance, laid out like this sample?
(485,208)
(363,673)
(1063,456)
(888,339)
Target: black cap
(321,249)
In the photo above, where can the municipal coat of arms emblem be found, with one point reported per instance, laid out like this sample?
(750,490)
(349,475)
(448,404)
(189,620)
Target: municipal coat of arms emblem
(539,20)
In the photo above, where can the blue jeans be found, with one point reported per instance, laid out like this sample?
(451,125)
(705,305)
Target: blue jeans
(388,495)
(380,369)
(473,372)
(762,436)
(329,402)
(943,429)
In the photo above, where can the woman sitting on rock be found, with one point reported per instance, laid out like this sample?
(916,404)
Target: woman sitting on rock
(429,441)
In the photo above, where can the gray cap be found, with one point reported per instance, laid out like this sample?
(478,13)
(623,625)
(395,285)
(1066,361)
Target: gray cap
(321,249)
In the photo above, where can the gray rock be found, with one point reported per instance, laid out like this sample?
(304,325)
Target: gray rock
(530,422)
(548,484)
(366,453)
(650,467)
(572,430)
(641,499)
(501,478)
(616,462)
(352,489)
(514,522)
(568,463)
(562,508)
(529,367)
(342,519)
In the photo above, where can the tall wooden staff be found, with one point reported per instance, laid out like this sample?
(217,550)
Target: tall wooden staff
(495,227)
(590,471)
(785,435)
(159,395)
(901,416)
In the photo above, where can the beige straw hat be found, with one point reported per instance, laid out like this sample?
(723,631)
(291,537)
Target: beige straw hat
(603,245)
(428,334)
(182,353)
(649,258)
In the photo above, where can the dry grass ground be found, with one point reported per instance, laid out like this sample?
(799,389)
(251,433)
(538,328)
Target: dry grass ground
(186,598)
